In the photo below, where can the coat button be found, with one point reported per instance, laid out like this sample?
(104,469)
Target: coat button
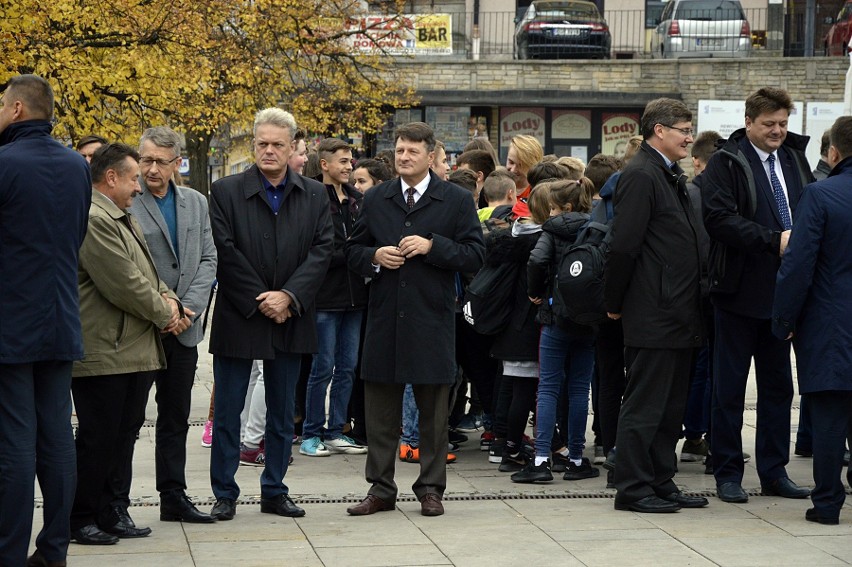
(401,284)
(402,313)
(174,266)
(407,223)
(266,235)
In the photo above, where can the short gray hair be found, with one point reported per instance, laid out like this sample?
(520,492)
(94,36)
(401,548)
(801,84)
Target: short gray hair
(276,117)
(162,137)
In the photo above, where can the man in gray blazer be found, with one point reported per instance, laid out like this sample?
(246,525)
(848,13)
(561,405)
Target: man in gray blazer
(176,225)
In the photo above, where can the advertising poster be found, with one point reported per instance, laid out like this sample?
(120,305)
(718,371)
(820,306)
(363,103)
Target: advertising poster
(413,34)
(821,116)
(571,124)
(726,116)
(616,130)
(520,121)
(450,124)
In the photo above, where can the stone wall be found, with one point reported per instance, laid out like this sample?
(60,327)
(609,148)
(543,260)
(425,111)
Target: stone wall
(807,79)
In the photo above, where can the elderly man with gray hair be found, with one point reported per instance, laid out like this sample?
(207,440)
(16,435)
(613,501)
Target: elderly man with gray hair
(273,233)
(176,225)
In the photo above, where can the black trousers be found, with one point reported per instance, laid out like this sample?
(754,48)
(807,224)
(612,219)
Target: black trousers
(831,418)
(110,410)
(383,405)
(650,421)
(609,363)
(173,397)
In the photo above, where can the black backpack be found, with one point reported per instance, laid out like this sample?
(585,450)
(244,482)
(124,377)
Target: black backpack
(580,273)
(489,298)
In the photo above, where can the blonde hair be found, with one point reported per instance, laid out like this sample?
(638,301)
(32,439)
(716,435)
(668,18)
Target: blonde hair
(528,151)
(577,193)
(574,165)
(632,147)
(539,202)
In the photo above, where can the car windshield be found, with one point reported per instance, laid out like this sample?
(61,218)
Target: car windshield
(565,10)
(710,10)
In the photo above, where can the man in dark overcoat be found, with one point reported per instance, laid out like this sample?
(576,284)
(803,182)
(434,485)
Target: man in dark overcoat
(413,235)
(652,284)
(813,306)
(273,235)
(751,188)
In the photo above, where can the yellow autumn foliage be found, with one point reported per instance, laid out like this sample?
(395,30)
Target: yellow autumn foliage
(202,67)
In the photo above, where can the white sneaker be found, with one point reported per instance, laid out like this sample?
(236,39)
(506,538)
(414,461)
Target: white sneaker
(313,447)
(345,445)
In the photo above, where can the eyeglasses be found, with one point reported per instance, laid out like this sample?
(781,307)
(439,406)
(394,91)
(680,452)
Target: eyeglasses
(688,132)
(148,162)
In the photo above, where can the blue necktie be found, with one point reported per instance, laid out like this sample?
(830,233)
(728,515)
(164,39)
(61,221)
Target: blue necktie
(780,198)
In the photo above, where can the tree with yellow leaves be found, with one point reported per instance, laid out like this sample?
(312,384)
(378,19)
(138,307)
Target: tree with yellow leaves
(202,66)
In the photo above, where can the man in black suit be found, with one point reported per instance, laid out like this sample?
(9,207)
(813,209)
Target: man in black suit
(652,285)
(413,235)
(751,189)
(273,233)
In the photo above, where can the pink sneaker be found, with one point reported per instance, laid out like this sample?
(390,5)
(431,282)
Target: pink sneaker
(207,436)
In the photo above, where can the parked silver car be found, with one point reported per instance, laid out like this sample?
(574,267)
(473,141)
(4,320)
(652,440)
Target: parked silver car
(702,28)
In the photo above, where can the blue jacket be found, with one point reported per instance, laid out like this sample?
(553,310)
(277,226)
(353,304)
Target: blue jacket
(45,192)
(813,294)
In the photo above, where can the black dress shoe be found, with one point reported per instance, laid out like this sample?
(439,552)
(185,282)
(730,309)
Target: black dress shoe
(648,505)
(92,535)
(685,501)
(812,515)
(282,505)
(785,488)
(38,560)
(177,507)
(124,531)
(224,509)
(731,492)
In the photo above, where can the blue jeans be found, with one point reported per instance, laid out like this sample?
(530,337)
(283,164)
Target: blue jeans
(410,418)
(231,378)
(35,440)
(338,335)
(563,358)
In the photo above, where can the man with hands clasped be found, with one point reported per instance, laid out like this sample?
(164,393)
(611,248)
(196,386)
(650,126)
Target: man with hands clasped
(413,235)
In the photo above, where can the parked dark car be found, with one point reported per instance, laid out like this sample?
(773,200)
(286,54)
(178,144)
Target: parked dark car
(552,29)
(837,38)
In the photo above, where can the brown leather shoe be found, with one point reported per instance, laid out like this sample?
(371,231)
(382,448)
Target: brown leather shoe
(369,505)
(430,505)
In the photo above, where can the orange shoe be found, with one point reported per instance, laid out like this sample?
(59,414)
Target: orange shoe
(409,454)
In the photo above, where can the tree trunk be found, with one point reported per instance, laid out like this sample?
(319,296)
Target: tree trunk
(198,148)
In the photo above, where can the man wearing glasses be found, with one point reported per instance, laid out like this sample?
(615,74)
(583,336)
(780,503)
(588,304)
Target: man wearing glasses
(176,225)
(751,189)
(652,285)
(274,239)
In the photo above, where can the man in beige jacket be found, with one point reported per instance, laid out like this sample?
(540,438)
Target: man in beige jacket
(123,306)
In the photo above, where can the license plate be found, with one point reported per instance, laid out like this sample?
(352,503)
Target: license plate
(568,32)
(709,42)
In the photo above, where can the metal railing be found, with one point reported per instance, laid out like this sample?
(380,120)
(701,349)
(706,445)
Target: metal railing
(493,36)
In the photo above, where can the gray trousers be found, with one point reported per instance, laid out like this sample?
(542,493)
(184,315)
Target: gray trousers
(383,409)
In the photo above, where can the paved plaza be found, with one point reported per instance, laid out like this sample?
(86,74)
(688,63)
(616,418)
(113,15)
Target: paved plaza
(489,521)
